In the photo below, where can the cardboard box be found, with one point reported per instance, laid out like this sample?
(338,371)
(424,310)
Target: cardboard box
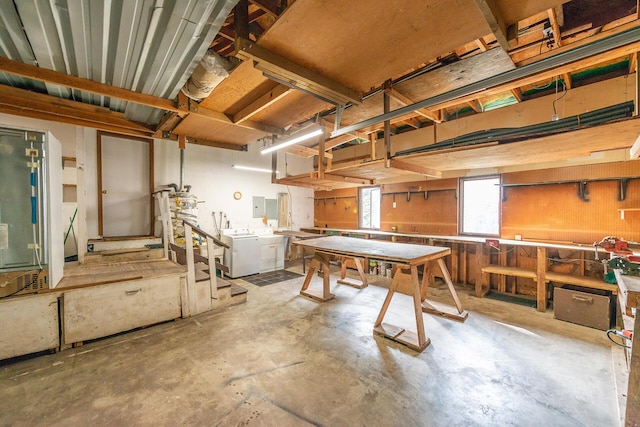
(588,307)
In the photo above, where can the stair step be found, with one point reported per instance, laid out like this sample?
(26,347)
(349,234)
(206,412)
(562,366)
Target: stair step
(237,290)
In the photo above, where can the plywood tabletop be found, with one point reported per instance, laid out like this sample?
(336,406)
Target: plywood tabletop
(404,253)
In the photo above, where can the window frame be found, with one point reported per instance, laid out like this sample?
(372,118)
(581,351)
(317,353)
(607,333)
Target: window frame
(360,200)
(461,205)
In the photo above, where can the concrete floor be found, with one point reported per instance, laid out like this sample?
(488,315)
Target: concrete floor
(281,359)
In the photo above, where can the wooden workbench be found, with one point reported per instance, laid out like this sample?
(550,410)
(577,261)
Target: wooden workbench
(541,274)
(629,297)
(406,259)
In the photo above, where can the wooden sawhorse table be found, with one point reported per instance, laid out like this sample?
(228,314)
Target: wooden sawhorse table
(406,259)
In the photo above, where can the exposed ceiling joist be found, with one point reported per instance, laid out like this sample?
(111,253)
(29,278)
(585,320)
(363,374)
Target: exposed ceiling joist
(27,112)
(496,22)
(48,76)
(262,102)
(216,144)
(306,152)
(267,5)
(340,178)
(195,108)
(613,47)
(405,100)
(276,66)
(398,164)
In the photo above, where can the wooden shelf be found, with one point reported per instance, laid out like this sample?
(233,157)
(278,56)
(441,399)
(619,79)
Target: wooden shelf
(622,211)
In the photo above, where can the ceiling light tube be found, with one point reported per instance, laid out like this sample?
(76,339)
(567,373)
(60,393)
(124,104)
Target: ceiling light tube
(291,141)
(250,168)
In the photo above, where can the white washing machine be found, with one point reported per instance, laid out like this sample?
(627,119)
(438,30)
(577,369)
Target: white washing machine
(243,255)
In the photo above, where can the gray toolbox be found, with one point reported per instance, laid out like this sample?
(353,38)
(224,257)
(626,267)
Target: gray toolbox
(594,308)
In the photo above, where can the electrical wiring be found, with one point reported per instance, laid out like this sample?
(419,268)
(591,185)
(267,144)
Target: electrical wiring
(564,93)
(613,331)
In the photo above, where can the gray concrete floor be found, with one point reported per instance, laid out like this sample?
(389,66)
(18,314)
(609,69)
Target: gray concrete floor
(281,359)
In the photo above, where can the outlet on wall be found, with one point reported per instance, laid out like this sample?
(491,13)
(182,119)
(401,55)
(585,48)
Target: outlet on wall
(491,243)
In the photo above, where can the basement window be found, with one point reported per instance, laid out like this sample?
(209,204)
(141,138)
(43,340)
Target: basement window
(369,207)
(480,206)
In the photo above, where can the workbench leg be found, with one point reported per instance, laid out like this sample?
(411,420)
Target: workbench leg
(444,310)
(325,295)
(541,279)
(343,274)
(417,341)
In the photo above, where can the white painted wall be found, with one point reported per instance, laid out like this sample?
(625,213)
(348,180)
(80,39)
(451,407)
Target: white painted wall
(208,170)
(213,180)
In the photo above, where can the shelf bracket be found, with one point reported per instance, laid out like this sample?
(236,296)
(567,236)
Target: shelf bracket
(583,191)
(622,189)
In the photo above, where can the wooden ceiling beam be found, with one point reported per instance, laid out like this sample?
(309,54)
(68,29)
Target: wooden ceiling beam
(216,144)
(268,6)
(263,101)
(494,18)
(544,75)
(482,45)
(517,94)
(47,104)
(340,178)
(195,108)
(26,112)
(281,68)
(86,85)
(555,26)
(415,168)
(405,100)
(306,152)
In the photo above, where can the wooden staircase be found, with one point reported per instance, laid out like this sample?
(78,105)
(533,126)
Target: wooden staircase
(219,291)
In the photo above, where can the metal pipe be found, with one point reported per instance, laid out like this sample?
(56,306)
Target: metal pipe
(181,168)
(581,52)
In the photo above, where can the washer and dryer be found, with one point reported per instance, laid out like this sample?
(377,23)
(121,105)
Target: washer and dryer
(243,255)
(250,253)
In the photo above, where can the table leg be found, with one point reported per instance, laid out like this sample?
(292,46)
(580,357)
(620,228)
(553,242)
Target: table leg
(343,274)
(444,310)
(316,295)
(417,341)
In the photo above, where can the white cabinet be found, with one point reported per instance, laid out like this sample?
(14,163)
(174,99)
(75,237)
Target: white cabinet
(103,310)
(29,324)
(271,253)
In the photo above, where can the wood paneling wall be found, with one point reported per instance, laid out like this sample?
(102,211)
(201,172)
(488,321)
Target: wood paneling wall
(536,209)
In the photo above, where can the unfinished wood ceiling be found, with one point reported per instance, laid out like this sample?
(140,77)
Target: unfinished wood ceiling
(337,63)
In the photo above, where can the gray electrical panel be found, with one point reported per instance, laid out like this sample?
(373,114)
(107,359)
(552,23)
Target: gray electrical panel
(258,206)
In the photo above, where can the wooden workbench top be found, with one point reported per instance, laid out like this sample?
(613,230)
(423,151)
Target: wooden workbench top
(388,251)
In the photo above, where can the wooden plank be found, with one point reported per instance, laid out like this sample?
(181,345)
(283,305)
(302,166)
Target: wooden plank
(494,18)
(417,169)
(634,151)
(285,69)
(405,100)
(568,145)
(85,85)
(541,269)
(387,251)
(30,324)
(513,12)
(264,101)
(413,34)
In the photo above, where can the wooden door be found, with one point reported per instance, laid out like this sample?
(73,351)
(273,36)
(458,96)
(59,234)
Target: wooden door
(125,182)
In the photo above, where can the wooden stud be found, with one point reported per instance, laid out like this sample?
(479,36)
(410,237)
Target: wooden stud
(541,268)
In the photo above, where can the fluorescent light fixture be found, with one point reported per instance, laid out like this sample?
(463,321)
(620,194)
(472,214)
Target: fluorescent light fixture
(291,141)
(249,168)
